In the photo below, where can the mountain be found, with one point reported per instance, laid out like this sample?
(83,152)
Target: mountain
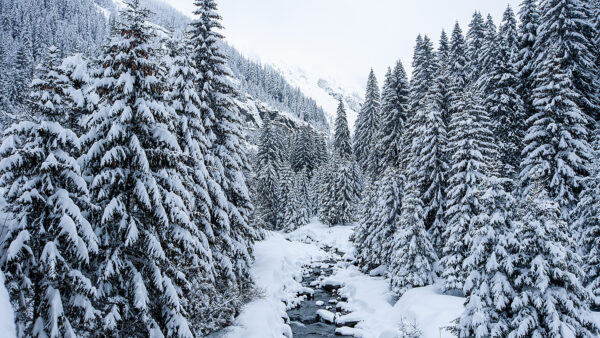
(325,91)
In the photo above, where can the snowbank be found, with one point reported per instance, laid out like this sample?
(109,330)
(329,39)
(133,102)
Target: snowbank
(337,237)
(277,271)
(7,317)
(431,310)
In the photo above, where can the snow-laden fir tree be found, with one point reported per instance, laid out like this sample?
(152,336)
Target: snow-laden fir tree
(303,155)
(296,212)
(503,100)
(428,160)
(147,239)
(367,221)
(488,54)
(475,44)
(525,61)
(270,159)
(412,261)
(489,265)
(367,124)
(342,142)
(233,232)
(78,98)
(50,242)
(550,299)
(565,31)
(384,218)
(472,147)
(394,112)
(556,144)
(341,194)
(457,69)
(586,225)
(190,132)
(424,68)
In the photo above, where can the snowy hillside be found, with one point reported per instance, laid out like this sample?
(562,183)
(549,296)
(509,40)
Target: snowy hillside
(324,90)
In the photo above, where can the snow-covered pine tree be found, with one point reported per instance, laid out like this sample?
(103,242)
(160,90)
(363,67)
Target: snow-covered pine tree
(303,156)
(442,78)
(367,124)
(503,100)
(342,194)
(49,242)
(368,211)
(342,142)
(525,61)
(458,70)
(234,234)
(556,144)
(190,132)
(413,259)
(270,159)
(381,220)
(565,31)
(394,112)
(586,224)
(428,163)
(489,266)
(147,239)
(472,147)
(296,212)
(475,43)
(79,101)
(488,54)
(424,68)
(550,300)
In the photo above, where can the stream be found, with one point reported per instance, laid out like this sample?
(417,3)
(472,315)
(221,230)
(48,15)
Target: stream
(316,316)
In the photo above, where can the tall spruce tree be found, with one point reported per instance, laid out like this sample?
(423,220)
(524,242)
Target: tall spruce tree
(458,71)
(413,257)
(556,146)
(367,124)
(503,100)
(490,266)
(550,299)
(472,146)
(147,240)
(525,61)
(50,242)
(388,150)
(475,43)
(342,142)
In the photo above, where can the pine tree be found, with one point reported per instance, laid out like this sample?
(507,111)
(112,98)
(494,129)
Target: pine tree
(525,61)
(296,212)
(550,300)
(342,142)
(556,147)
(270,159)
(385,211)
(49,242)
(394,112)
(413,257)
(423,72)
(503,100)
(228,163)
(342,193)
(367,124)
(368,211)
(147,240)
(78,99)
(303,155)
(428,162)
(490,266)
(475,43)
(457,69)
(586,225)
(472,147)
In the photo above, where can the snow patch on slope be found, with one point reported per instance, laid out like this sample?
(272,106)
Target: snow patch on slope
(325,91)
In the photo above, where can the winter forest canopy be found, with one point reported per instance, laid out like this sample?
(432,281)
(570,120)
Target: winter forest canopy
(146,167)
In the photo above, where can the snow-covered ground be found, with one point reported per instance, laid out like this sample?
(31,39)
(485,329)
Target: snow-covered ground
(278,272)
(7,317)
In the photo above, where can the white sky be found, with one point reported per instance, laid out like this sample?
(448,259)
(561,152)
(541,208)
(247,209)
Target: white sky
(342,38)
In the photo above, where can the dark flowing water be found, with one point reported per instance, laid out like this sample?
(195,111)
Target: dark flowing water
(304,319)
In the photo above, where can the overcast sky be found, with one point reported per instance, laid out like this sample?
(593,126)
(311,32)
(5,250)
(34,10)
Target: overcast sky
(342,38)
